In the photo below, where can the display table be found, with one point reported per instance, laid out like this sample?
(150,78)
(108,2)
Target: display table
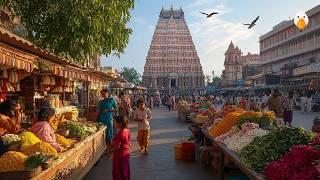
(224,151)
(77,161)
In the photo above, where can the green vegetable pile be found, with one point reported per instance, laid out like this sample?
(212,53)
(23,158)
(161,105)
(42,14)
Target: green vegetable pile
(80,130)
(36,160)
(264,119)
(270,147)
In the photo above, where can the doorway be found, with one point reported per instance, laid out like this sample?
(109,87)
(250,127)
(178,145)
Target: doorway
(173,83)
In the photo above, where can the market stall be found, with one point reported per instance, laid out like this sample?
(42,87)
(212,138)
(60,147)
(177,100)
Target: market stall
(257,143)
(36,79)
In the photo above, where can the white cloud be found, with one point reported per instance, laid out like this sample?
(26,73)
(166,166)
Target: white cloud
(138,20)
(197,3)
(213,35)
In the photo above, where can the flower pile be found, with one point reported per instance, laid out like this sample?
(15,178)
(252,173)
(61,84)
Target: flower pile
(226,124)
(9,139)
(66,143)
(229,134)
(272,146)
(28,138)
(41,147)
(12,161)
(262,118)
(242,138)
(298,163)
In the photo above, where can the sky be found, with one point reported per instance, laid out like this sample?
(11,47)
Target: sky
(211,36)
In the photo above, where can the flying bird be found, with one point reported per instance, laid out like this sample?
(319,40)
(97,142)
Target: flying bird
(253,23)
(209,15)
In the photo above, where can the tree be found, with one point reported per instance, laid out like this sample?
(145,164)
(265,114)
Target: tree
(131,75)
(75,29)
(216,80)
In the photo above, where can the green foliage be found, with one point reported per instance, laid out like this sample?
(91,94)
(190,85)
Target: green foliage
(74,28)
(131,75)
(216,80)
(272,146)
(36,160)
(80,130)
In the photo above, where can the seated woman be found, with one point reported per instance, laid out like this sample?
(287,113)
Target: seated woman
(43,130)
(10,117)
(10,120)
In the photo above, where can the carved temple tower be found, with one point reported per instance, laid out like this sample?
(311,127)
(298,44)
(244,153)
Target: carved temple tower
(172,64)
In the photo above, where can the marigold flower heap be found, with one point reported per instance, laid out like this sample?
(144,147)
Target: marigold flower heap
(226,124)
(12,161)
(28,138)
(41,147)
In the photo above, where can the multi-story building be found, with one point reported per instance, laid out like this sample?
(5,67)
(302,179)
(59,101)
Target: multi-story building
(233,66)
(285,48)
(172,64)
(238,66)
(251,65)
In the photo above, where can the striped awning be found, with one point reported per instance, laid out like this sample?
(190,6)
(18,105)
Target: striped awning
(15,59)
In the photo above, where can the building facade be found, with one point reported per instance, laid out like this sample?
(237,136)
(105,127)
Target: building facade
(285,49)
(172,64)
(233,66)
(238,66)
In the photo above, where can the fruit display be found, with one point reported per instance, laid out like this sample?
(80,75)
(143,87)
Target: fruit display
(9,139)
(12,161)
(66,143)
(272,146)
(40,147)
(80,130)
(28,138)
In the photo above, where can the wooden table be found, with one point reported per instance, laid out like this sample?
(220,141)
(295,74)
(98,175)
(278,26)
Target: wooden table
(224,151)
(77,161)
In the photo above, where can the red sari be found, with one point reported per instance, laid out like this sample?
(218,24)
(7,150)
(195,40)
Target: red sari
(121,156)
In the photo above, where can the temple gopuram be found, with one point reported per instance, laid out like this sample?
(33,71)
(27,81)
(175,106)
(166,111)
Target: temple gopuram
(172,64)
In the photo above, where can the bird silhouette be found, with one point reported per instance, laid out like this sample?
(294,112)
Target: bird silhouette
(253,23)
(209,15)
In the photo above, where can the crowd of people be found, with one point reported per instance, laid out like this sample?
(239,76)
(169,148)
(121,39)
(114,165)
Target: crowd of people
(281,103)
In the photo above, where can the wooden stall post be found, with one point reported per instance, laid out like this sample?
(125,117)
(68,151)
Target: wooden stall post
(221,164)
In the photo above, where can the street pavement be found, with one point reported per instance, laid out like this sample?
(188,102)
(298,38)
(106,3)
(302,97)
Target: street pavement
(159,164)
(304,120)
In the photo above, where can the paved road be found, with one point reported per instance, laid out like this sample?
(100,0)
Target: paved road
(304,119)
(160,163)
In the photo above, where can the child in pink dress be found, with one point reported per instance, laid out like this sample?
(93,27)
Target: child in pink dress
(121,151)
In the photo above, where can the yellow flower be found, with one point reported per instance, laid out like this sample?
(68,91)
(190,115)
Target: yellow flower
(41,147)
(28,138)
(12,161)
(64,141)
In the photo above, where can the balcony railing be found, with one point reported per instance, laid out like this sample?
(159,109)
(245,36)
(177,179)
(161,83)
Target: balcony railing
(311,68)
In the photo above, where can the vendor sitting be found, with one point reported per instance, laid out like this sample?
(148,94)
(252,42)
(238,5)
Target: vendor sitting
(43,130)
(10,120)
(10,117)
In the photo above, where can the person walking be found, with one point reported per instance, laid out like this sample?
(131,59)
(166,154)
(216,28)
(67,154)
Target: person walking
(275,103)
(142,115)
(173,102)
(106,107)
(303,104)
(125,105)
(169,103)
(287,107)
(309,103)
(120,150)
